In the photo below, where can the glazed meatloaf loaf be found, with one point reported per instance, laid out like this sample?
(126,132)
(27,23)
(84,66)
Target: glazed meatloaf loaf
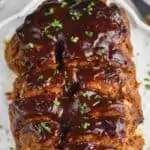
(76,85)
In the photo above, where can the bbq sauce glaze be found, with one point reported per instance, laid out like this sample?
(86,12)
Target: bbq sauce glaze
(58,33)
(87,31)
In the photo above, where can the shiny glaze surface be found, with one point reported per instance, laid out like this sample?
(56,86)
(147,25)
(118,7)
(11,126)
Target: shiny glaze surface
(104,23)
(43,135)
(50,78)
(92,36)
(39,105)
(106,75)
(103,127)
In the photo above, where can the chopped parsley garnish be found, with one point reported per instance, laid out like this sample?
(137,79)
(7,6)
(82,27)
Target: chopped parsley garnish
(43,126)
(90,8)
(75,15)
(64,3)
(65,74)
(56,24)
(47,33)
(49,80)
(97,97)
(46,28)
(147,86)
(89,33)
(74,39)
(41,77)
(56,103)
(56,71)
(51,11)
(49,36)
(85,125)
(83,108)
(146,79)
(100,52)
(28,46)
(84,94)
(69,86)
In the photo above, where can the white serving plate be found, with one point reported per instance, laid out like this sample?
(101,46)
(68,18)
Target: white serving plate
(140,36)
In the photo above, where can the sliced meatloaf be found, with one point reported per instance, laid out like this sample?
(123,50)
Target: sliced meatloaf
(76,86)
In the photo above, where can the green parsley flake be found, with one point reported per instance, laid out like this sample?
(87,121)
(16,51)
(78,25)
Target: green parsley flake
(41,77)
(28,46)
(83,108)
(64,3)
(56,24)
(146,79)
(46,29)
(75,15)
(74,39)
(49,80)
(47,33)
(51,11)
(89,33)
(100,52)
(49,36)
(97,97)
(147,86)
(90,8)
(56,71)
(84,94)
(65,74)
(69,86)
(85,125)
(56,103)
(43,126)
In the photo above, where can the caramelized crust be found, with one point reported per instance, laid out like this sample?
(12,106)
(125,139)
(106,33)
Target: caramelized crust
(76,87)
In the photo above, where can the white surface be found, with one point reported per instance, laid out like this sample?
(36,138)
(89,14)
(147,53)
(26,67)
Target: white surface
(141,43)
(10,7)
(129,9)
(147,1)
(24,11)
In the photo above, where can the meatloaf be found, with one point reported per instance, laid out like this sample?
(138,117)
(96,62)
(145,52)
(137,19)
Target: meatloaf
(76,86)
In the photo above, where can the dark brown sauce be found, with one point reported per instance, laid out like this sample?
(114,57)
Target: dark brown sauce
(105,24)
(108,74)
(49,132)
(90,37)
(69,113)
(102,127)
(39,105)
(87,104)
